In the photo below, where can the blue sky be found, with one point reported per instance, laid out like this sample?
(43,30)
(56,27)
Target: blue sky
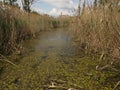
(55,7)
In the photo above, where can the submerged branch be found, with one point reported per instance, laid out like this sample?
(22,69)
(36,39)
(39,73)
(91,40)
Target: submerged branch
(3,58)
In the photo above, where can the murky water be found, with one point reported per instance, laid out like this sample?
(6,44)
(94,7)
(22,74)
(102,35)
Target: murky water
(51,58)
(58,42)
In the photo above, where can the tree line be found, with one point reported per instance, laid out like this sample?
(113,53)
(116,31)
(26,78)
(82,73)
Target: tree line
(26,4)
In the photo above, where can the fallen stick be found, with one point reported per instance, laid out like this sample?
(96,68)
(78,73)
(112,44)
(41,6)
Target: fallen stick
(61,81)
(6,60)
(118,83)
(107,67)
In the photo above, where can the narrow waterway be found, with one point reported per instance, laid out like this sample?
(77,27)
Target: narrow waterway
(51,58)
(40,62)
(58,42)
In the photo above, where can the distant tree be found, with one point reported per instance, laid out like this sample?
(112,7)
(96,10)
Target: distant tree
(83,8)
(95,2)
(11,2)
(27,4)
(79,8)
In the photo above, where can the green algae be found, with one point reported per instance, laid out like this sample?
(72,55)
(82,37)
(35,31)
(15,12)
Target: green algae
(52,57)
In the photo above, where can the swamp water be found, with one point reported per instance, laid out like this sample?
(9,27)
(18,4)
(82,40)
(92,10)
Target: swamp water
(52,62)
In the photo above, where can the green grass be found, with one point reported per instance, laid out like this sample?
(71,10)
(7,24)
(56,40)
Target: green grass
(34,73)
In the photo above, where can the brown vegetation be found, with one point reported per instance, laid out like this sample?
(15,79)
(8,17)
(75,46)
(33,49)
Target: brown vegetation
(97,30)
(16,26)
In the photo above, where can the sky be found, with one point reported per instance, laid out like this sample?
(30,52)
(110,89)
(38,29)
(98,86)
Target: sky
(56,7)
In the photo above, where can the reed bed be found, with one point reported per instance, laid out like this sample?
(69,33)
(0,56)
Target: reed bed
(97,31)
(17,25)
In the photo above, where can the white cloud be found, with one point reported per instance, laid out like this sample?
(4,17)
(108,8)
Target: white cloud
(53,11)
(57,12)
(63,4)
(58,6)
(37,9)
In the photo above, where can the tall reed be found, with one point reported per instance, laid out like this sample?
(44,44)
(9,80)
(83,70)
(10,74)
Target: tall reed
(16,26)
(97,30)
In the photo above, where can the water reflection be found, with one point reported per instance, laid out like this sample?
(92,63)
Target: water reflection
(58,42)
